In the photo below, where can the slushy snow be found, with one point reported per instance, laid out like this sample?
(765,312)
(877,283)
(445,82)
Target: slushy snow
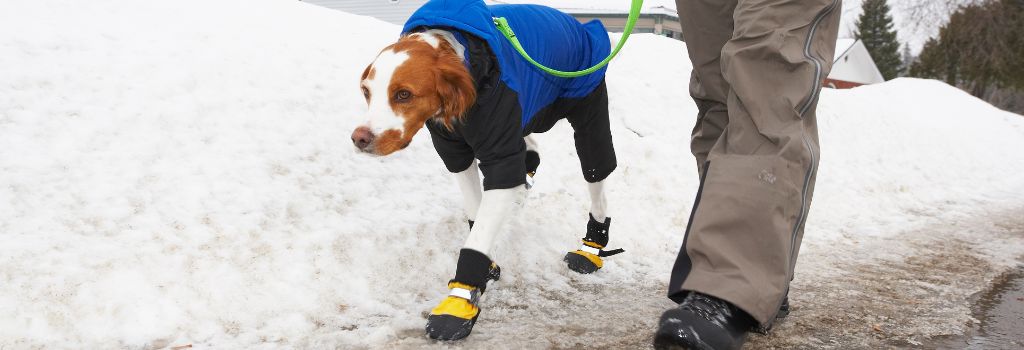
(180,172)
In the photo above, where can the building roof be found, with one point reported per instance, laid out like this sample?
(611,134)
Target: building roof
(842,46)
(853,63)
(580,7)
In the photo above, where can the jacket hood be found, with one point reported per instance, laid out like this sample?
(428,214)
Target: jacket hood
(472,16)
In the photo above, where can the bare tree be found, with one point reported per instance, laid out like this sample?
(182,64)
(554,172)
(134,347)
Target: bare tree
(929,15)
(979,49)
(916,20)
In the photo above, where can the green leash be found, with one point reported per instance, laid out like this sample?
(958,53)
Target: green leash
(634,14)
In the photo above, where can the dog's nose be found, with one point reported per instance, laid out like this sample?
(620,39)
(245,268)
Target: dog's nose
(362,137)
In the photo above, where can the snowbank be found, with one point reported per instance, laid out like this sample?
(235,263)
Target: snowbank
(180,172)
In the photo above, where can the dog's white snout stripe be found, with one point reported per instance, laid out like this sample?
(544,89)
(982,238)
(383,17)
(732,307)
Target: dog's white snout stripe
(381,116)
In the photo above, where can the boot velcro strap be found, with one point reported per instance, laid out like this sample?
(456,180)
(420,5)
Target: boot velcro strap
(472,295)
(589,249)
(605,253)
(600,252)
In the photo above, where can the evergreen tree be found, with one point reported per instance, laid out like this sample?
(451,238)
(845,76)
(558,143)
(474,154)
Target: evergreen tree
(933,63)
(1012,21)
(875,30)
(908,60)
(979,50)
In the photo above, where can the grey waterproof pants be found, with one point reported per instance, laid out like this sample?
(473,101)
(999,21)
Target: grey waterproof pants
(758,66)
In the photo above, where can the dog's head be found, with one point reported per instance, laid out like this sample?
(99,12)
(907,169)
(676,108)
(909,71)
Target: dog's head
(415,79)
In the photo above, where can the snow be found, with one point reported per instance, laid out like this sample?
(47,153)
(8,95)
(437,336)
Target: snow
(180,173)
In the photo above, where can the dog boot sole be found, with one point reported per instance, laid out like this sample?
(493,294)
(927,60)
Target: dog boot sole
(580,263)
(448,327)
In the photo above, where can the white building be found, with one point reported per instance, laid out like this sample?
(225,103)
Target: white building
(853,66)
(658,16)
(392,11)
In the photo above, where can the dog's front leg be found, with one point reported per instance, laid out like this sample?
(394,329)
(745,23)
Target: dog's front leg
(455,316)
(496,207)
(469,184)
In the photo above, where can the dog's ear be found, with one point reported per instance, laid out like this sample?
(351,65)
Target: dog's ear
(455,88)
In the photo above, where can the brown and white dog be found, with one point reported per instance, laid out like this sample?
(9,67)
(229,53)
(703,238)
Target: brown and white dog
(422,77)
(454,75)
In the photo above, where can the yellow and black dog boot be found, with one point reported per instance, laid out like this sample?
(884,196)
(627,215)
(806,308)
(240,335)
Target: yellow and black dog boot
(587,259)
(454,317)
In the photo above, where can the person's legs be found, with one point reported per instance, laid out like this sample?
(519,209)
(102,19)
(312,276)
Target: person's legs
(758,176)
(707,26)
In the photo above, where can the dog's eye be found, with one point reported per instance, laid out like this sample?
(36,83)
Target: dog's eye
(366,92)
(403,95)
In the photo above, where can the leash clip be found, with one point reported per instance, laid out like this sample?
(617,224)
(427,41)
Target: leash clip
(503,27)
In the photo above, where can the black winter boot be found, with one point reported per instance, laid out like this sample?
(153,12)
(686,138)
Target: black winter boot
(703,322)
(587,259)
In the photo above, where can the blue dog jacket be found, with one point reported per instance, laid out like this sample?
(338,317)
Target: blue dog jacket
(515,98)
(551,37)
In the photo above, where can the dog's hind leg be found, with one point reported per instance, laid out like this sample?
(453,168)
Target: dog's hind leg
(587,259)
(598,202)
(532,160)
(531,144)
(592,133)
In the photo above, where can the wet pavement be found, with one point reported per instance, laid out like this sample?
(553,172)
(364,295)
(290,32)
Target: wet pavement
(954,284)
(1000,315)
